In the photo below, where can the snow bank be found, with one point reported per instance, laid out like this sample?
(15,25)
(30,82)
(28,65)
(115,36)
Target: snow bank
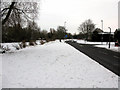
(54,65)
(11,47)
(88,42)
(112,47)
(101,44)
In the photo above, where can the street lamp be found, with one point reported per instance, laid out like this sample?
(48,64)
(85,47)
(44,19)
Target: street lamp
(102,24)
(65,29)
(109,36)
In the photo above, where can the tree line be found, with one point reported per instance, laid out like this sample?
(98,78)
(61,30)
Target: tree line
(18,24)
(32,32)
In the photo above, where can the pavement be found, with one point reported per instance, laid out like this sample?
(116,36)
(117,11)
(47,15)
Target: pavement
(109,59)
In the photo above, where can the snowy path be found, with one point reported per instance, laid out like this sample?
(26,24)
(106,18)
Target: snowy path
(54,65)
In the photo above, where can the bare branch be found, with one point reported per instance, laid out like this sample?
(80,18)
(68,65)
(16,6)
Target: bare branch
(4,10)
(23,12)
(9,12)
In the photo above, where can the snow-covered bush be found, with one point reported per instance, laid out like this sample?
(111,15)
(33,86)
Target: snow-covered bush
(6,48)
(17,47)
(1,46)
(21,45)
(9,47)
(2,49)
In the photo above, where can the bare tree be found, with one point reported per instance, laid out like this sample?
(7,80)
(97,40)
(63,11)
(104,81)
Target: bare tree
(18,10)
(9,12)
(87,28)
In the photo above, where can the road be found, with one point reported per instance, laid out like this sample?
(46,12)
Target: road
(109,59)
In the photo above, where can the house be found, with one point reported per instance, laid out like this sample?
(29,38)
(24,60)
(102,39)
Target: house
(100,36)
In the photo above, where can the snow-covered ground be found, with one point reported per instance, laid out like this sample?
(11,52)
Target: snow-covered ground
(11,47)
(101,45)
(54,65)
(112,47)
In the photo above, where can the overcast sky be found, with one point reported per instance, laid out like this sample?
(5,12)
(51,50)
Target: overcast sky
(53,13)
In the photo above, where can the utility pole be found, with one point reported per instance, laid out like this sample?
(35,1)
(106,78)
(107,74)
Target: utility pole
(109,36)
(102,30)
(65,24)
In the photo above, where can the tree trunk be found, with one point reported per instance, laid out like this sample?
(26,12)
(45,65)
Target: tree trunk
(9,12)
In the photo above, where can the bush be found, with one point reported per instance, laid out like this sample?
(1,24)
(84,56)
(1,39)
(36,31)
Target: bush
(17,47)
(42,42)
(23,44)
(20,45)
(47,40)
(7,48)
(32,43)
(2,49)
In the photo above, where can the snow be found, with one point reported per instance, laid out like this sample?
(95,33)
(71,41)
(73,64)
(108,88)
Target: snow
(88,42)
(54,65)
(101,45)
(9,46)
(112,47)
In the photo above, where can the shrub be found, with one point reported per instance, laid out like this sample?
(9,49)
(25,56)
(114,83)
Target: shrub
(23,44)
(42,42)
(20,45)
(32,43)
(47,40)
(17,47)
(6,48)
(2,49)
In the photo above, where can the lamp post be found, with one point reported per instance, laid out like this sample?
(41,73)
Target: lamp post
(65,29)
(102,24)
(109,36)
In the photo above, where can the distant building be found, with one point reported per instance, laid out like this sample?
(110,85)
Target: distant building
(105,36)
(119,14)
(100,36)
(97,30)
